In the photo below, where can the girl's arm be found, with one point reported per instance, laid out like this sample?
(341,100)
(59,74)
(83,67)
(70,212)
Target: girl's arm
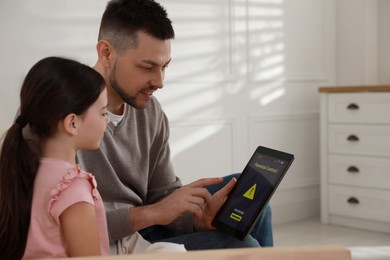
(80,230)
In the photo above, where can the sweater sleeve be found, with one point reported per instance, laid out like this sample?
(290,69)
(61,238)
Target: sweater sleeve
(119,224)
(109,186)
(163,180)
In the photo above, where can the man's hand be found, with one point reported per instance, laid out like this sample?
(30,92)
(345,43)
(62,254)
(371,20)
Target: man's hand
(192,198)
(212,207)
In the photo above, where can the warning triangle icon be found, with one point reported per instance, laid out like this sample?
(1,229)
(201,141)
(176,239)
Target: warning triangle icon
(250,194)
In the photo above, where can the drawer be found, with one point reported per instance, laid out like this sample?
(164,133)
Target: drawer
(370,172)
(367,204)
(359,108)
(359,139)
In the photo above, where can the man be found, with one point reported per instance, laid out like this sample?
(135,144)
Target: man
(132,167)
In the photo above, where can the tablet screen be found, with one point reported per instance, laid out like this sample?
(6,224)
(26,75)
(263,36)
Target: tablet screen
(253,190)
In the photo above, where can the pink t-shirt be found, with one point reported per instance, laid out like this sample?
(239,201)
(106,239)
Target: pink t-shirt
(57,186)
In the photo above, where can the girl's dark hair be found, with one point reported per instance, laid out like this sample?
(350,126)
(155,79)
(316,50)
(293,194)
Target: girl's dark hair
(122,19)
(53,88)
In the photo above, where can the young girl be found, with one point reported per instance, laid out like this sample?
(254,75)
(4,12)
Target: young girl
(49,207)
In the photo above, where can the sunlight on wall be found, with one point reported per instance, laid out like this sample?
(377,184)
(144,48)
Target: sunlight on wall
(232,59)
(268,92)
(265,52)
(200,68)
(200,102)
(275,94)
(191,139)
(201,50)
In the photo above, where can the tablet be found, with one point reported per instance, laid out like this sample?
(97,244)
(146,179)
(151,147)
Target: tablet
(253,190)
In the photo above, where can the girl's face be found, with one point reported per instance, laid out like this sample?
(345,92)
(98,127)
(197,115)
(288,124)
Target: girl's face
(93,124)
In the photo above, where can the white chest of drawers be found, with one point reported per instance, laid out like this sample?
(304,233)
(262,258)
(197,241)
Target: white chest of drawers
(355,157)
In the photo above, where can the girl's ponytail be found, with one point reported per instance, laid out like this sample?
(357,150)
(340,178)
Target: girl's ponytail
(19,160)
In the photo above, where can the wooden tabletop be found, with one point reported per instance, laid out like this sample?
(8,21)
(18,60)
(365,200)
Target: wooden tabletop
(321,252)
(347,89)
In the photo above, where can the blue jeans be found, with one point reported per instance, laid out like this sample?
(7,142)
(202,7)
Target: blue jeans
(261,234)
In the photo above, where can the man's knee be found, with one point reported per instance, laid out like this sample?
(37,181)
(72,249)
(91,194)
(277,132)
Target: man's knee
(249,241)
(267,211)
(220,240)
(262,231)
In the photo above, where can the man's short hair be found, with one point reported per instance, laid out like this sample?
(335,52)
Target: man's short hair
(122,19)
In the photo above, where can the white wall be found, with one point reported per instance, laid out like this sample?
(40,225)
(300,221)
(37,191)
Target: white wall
(244,73)
(383,42)
(33,29)
(357,42)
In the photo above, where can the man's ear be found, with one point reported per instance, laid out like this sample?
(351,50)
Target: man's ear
(105,53)
(70,124)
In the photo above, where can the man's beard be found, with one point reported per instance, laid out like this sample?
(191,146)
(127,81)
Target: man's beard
(120,92)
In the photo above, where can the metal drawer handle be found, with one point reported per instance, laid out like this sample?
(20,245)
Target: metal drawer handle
(353,138)
(353,169)
(353,106)
(353,200)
